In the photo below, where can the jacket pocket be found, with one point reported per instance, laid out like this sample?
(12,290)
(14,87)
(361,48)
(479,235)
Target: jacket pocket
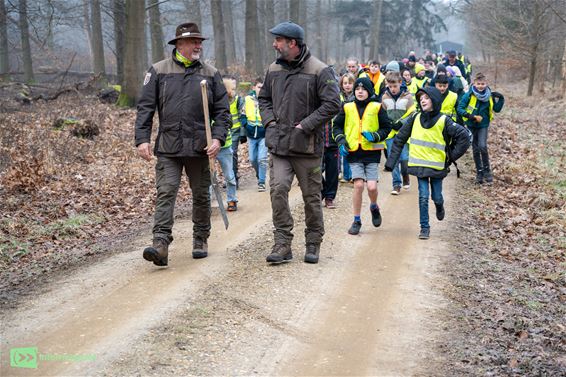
(170,138)
(301,142)
(199,140)
(271,136)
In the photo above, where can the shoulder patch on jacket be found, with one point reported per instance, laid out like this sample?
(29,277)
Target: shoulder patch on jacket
(147,78)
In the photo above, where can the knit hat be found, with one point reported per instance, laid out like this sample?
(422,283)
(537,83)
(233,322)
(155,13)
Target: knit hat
(392,66)
(440,68)
(451,71)
(419,67)
(412,58)
(366,83)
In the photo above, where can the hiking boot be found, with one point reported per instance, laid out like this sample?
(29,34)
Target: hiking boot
(329,203)
(440,211)
(396,190)
(479,177)
(280,253)
(232,206)
(355,228)
(157,253)
(488,177)
(312,252)
(261,187)
(375,217)
(424,234)
(200,248)
(406,181)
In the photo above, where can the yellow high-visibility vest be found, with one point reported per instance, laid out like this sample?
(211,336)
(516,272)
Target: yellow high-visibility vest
(472,105)
(428,147)
(449,105)
(353,126)
(235,113)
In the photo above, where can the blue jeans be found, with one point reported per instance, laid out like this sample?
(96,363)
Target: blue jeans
(258,158)
(436,193)
(396,174)
(346,171)
(224,157)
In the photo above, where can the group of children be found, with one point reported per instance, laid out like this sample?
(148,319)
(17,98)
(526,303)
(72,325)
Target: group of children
(421,113)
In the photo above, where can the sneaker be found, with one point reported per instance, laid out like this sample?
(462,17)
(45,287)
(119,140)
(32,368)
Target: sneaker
(406,181)
(479,178)
(157,253)
(280,253)
(355,228)
(232,206)
(396,190)
(375,217)
(312,252)
(488,177)
(200,248)
(440,211)
(261,187)
(424,234)
(329,203)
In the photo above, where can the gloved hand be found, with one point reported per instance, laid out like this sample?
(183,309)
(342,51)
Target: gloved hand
(371,136)
(343,150)
(243,139)
(397,125)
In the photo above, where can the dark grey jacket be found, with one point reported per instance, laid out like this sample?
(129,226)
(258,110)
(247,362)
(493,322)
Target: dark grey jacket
(175,92)
(457,138)
(304,91)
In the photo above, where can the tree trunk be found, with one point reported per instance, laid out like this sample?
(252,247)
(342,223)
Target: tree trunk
(156,31)
(88,28)
(26,48)
(564,72)
(97,42)
(229,32)
(376,22)
(134,39)
(303,11)
(4,57)
(193,12)
(218,28)
(268,24)
(295,10)
(281,11)
(253,57)
(119,12)
(532,71)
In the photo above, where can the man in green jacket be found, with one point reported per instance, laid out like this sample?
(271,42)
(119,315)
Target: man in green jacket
(300,94)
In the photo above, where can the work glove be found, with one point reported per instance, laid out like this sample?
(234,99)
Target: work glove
(343,150)
(370,136)
(243,139)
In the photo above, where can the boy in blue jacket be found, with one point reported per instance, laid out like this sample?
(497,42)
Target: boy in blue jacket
(477,107)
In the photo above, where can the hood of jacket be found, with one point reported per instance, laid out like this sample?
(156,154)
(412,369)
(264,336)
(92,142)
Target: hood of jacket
(428,119)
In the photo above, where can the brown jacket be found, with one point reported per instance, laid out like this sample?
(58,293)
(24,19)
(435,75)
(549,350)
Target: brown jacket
(304,91)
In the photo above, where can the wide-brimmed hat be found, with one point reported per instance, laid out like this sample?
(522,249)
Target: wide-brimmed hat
(186,30)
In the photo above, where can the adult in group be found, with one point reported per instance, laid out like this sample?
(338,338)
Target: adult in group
(172,86)
(300,94)
(452,60)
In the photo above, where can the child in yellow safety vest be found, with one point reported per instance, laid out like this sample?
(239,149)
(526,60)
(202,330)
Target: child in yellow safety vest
(435,141)
(360,130)
(477,108)
(237,132)
(449,98)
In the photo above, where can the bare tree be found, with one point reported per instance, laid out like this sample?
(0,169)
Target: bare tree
(281,11)
(229,32)
(156,32)
(119,13)
(268,24)
(4,57)
(253,57)
(376,23)
(193,12)
(135,38)
(295,10)
(97,42)
(564,71)
(219,40)
(26,48)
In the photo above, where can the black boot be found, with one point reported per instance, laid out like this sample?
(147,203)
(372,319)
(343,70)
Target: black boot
(487,176)
(280,253)
(440,211)
(479,177)
(200,248)
(312,252)
(157,253)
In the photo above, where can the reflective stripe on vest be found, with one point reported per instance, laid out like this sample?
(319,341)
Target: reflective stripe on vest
(353,126)
(428,147)
(473,104)
(449,105)
(235,113)
(409,111)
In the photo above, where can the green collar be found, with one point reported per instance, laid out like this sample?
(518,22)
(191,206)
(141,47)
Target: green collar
(186,62)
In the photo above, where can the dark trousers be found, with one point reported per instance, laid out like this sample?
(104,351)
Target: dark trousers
(168,172)
(330,169)
(479,149)
(282,170)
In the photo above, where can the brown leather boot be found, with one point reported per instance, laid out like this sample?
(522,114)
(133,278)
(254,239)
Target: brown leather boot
(157,253)
(280,253)
(200,248)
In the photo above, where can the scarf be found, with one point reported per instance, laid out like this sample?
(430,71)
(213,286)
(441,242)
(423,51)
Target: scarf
(186,62)
(482,96)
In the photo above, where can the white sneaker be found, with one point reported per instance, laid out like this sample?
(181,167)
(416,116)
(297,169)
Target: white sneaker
(396,191)
(406,187)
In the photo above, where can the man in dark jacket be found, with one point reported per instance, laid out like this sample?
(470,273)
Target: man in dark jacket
(172,86)
(436,141)
(300,94)
(452,60)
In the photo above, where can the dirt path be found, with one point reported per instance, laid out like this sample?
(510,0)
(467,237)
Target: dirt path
(366,309)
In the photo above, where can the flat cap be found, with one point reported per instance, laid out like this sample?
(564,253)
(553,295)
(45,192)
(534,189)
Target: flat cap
(289,30)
